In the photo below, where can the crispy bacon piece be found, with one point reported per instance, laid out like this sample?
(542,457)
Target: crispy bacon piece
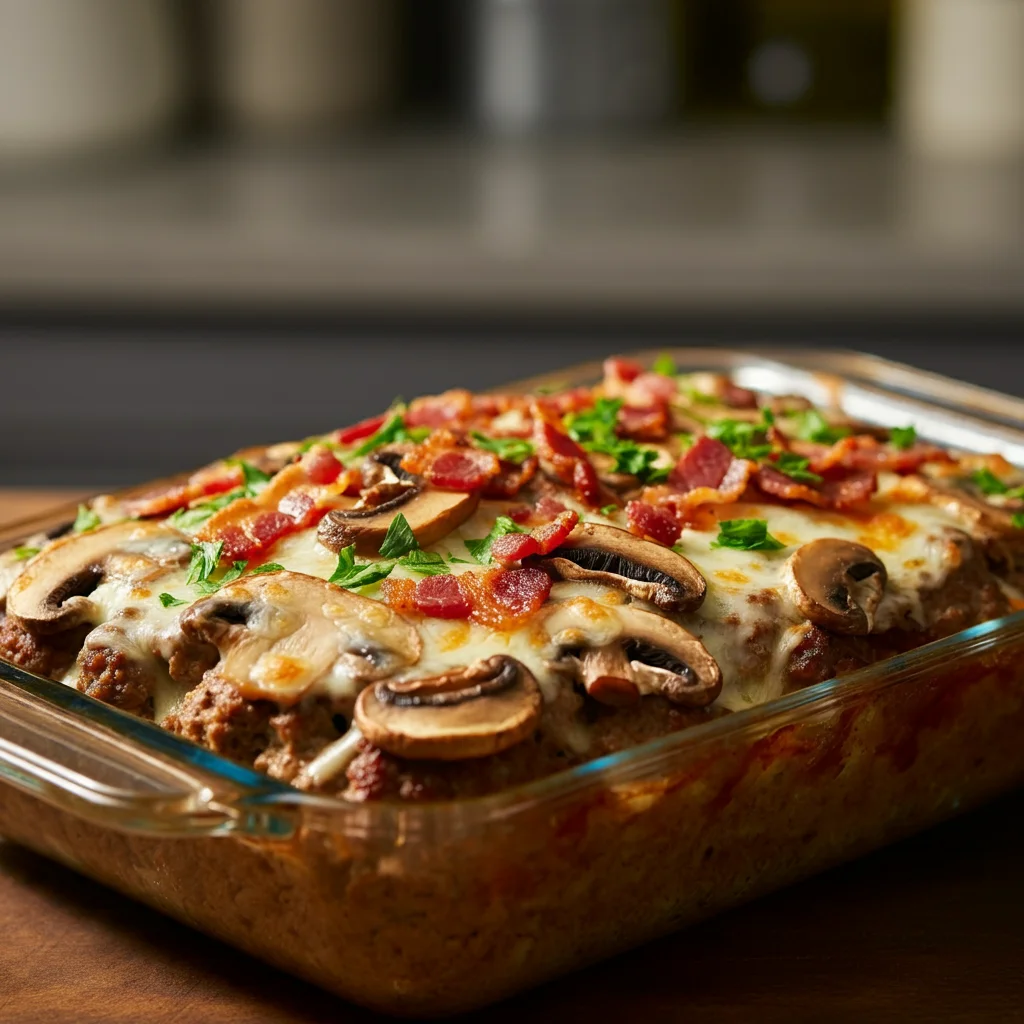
(442,597)
(704,464)
(651,521)
(321,466)
(502,598)
(836,493)
(549,508)
(574,400)
(618,371)
(553,534)
(360,431)
(654,387)
(217,478)
(863,452)
(511,478)
(462,469)
(736,397)
(451,408)
(730,488)
(564,459)
(519,513)
(643,423)
(514,547)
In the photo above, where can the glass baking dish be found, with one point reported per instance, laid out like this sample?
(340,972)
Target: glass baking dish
(425,910)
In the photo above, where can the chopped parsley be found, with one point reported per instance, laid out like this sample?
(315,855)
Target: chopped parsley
(701,397)
(267,567)
(481,549)
(1018,520)
(812,426)
(399,540)
(189,518)
(902,437)
(796,468)
(253,479)
(508,449)
(987,482)
(426,563)
(21,552)
(608,510)
(206,556)
(393,430)
(594,430)
(744,440)
(746,535)
(86,520)
(352,576)
(665,365)
(170,601)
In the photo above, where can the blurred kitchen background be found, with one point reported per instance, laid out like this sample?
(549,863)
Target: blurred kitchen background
(226,221)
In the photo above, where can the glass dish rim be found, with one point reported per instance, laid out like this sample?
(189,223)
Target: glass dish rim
(258,790)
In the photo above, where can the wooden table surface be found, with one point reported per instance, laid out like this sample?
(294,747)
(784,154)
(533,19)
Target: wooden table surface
(930,929)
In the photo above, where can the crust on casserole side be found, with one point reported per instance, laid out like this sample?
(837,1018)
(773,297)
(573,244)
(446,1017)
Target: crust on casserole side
(475,591)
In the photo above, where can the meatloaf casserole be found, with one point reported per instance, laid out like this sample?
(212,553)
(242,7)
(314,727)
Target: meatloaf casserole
(470,591)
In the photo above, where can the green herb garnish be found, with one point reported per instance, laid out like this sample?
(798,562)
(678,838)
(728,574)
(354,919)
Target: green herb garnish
(189,518)
(393,430)
(426,563)
(988,483)
(481,549)
(253,479)
(665,365)
(21,553)
(746,535)
(205,559)
(508,449)
(902,437)
(796,468)
(1018,520)
(812,426)
(170,601)
(352,576)
(86,520)
(399,540)
(744,440)
(608,510)
(594,430)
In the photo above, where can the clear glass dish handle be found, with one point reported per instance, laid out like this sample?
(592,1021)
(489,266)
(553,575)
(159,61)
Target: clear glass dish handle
(54,746)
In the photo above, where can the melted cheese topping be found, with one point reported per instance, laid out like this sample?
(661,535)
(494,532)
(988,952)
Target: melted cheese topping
(747,622)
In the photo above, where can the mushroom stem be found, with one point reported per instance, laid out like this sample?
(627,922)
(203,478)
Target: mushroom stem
(608,676)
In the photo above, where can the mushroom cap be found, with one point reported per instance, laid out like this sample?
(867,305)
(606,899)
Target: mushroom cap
(431,514)
(837,584)
(662,656)
(470,712)
(51,594)
(642,568)
(280,633)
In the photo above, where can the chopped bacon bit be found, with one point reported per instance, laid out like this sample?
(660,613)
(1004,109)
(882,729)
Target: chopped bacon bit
(549,508)
(554,443)
(400,594)
(512,478)
(643,423)
(270,527)
(519,513)
(655,387)
(553,535)
(729,489)
(217,478)
(520,592)
(704,464)
(238,544)
(840,493)
(587,485)
(488,406)
(657,523)
(575,400)
(320,465)
(736,397)
(514,547)
(863,452)
(452,407)
(463,469)
(301,507)
(442,597)
(359,431)
(623,371)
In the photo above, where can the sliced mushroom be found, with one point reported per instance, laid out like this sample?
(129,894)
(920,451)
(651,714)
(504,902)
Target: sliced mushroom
(51,595)
(621,654)
(642,568)
(837,584)
(281,633)
(470,712)
(432,514)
